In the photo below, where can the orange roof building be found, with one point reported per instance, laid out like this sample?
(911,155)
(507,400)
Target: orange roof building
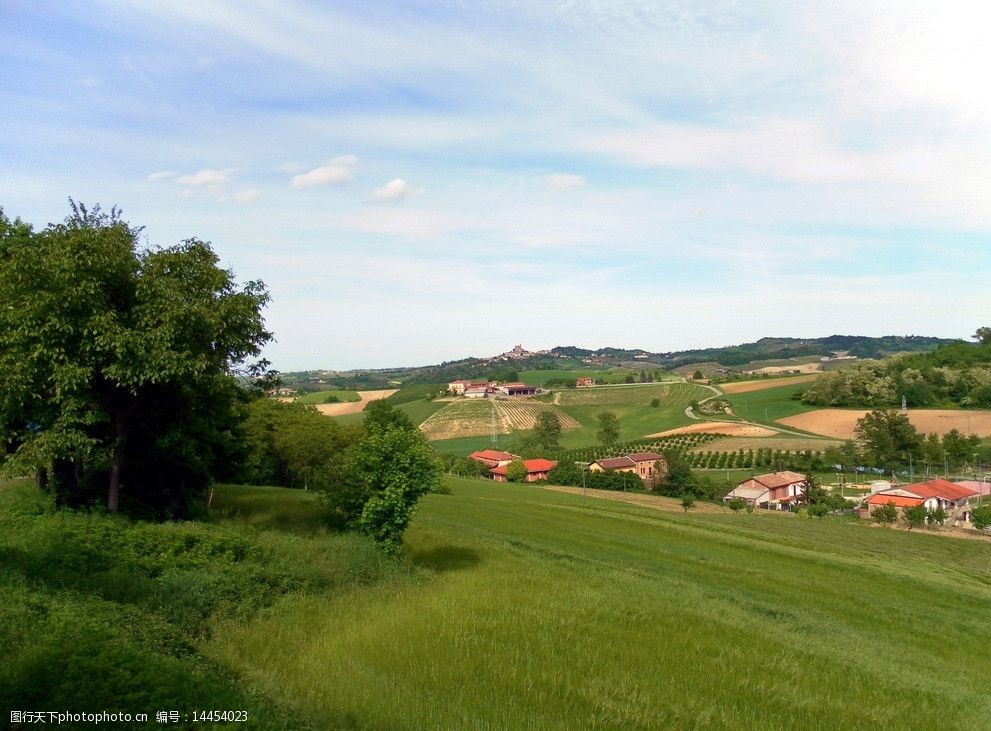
(536,469)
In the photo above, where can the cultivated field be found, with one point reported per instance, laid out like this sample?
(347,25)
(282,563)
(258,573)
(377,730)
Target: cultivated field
(729,428)
(355,407)
(614,395)
(763,384)
(473,417)
(840,423)
(320,397)
(534,609)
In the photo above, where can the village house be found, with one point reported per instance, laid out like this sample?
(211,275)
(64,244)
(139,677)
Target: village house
(459,387)
(931,494)
(584,382)
(493,457)
(773,491)
(642,464)
(536,469)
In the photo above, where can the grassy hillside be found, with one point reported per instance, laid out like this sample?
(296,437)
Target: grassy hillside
(329,397)
(547,610)
(768,404)
(610,375)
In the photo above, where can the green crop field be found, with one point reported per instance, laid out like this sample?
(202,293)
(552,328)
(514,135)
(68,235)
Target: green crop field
(329,397)
(544,610)
(768,404)
(611,375)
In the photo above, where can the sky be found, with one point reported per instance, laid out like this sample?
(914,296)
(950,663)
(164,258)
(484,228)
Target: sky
(425,181)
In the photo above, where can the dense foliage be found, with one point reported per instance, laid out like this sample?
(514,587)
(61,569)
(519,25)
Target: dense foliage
(118,362)
(958,374)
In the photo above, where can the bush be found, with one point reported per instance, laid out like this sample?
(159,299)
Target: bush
(884,514)
(737,504)
(981,517)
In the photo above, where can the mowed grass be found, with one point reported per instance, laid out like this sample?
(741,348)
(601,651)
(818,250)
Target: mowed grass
(611,375)
(631,404)
(545,610)
(768,404)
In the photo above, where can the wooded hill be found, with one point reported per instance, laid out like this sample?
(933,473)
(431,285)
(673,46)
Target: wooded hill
(574,357)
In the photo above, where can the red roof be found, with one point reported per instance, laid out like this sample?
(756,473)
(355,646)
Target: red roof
(779,479)
(615,463)
(644,456)
(939,488)
(899,501)
(494,454)
(532,465)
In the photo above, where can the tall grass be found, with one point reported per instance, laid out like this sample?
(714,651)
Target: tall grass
(552,611)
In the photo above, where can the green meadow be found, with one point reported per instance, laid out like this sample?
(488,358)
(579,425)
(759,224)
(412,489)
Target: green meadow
(513,607)
(768,404)
(536,609)
(609,375)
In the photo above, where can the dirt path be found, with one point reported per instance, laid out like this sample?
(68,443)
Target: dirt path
(354,407)
(656,502)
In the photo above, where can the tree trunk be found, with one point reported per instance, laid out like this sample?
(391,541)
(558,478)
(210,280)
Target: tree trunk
(113,493)
(41,479)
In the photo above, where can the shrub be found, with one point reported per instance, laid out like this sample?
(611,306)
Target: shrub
(981,517)
(736,504)
(884,513)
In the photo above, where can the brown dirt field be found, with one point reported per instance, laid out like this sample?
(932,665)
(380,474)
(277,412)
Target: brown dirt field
(729,428)
(732,444)
(657,502)
(803,368)
(748,386)
(840,423)
(353,407)
(519,414)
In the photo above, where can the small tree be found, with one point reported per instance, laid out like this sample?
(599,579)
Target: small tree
(884,513)
(687,502)
(915,516)
(936,516)
(736,504)
(547,431)
(698,374)
(655,402)
(608,433)
(981,517)
(516,471)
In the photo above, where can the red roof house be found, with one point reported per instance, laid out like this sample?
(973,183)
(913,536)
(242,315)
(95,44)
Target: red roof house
(536,469)
(774,490)
(493,457)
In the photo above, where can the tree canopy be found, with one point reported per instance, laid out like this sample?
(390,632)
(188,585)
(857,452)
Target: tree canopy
(118,361)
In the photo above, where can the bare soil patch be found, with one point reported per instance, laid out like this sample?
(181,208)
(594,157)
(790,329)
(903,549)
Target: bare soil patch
(354,407)
(748,386)
(840,423)
(729,428)
(802,368)
(657,502)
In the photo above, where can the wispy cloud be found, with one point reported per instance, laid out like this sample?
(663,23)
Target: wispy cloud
(206,178)
(338,171)
(395,190)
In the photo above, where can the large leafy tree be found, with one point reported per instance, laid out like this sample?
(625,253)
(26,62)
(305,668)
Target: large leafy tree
(118,361)
(889,438)
(608,433)
(547,431)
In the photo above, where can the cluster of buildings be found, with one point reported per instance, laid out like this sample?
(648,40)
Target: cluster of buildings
(489,389)
(496,461)
(648,466)
(780,490)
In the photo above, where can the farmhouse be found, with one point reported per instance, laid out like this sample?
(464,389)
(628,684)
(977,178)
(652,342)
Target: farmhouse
(584,382)
(493,457)
(931,494)
(460,386)
(536,469)
(641,464)
(774,491)
(516,389)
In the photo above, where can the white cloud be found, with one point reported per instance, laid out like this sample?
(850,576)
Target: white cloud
(249,195)
(206,179)
(338,171)
(564,181)
(395,190)
(161,175)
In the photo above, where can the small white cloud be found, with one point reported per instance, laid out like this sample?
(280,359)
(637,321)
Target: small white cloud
(246,196)
(206,178)
(394,190)
(338,171)
(564,181)
(162,175)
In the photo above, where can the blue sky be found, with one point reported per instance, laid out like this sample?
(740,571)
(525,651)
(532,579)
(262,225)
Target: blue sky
(420,182)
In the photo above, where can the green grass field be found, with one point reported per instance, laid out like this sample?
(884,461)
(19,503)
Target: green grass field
(611,375)
(769,404)
(328,397)
(543,610)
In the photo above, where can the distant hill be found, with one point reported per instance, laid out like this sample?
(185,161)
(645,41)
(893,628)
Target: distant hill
(506,365)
